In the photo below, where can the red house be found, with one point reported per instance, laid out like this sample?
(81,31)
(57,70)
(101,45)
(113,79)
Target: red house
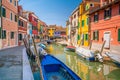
(33,19)
(105,23)
(22,25)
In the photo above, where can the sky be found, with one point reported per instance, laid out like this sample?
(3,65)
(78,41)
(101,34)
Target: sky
(51,11)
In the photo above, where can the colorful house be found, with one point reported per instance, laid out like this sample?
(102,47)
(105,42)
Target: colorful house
(105,24)
(74,25)
(9,24)
(83,22)
(50,31)
(22,26)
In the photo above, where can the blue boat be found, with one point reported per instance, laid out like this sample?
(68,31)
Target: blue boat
(54,69)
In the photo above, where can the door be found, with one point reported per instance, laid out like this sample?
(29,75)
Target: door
(107,39)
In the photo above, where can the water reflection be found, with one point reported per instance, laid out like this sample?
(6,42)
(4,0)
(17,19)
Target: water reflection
(86,70)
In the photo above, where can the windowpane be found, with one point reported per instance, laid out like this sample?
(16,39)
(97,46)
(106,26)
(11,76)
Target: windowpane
(118,34)
(20,36)
(15,18)
(4,34)
(107,13)
(10,16)
(11,1)
(12,35)
(15,2)
(3,12)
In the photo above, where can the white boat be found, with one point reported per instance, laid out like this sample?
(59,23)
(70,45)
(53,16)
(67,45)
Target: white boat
(85,53)
(114,57)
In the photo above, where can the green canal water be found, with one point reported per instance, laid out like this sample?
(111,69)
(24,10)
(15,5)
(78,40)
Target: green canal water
(84,69)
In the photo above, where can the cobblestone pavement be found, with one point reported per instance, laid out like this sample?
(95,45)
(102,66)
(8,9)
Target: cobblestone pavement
(11,63)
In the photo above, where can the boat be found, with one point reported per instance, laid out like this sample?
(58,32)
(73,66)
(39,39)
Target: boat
(42,45)
(49,41)
(70,48)
(114,57)
(85,53)
(54,69)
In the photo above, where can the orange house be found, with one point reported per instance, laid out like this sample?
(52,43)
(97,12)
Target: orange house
(105,23)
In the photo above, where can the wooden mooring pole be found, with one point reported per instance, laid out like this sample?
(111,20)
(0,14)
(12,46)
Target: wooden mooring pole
(102,47)
(37,59)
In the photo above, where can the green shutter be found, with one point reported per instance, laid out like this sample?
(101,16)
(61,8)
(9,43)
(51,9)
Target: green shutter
(78,38)
(87,21)
(118,34)
(86,37)
(82,23)
(97,35)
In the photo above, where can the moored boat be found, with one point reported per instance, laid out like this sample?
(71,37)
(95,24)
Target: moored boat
(54,69)
(70,48)
(85,53)
(115,58)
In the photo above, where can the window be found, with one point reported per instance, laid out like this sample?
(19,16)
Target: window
(107,13)
(19,22)
(12,35)
(15,18)
(78,37)
(78,24)
(91,5)
(15,3)
(87,21)
(10,16)
(20,36)
(3,12)
(3,34)
(96,17)
(118,34)
(95,35)
(10,1)
(86,36)
(82,23)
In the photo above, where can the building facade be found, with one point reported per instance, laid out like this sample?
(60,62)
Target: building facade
(22,26)
(83,22)
(105,24)
(9,23)
(74,25)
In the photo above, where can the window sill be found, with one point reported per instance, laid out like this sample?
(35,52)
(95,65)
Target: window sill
(95,21)
(107,18)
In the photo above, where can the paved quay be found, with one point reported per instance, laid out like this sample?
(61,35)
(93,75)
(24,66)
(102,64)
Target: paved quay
(11,63)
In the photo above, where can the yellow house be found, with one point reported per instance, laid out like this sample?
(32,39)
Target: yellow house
(83,28)
(51,30)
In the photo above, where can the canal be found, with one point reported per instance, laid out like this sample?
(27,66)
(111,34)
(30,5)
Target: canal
(84,69)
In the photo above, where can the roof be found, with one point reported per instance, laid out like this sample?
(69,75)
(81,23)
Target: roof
(100,8)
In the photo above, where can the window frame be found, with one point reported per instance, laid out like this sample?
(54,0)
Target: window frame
(108,13)
(20,36)
(10,1)
(12,35)
(11,16)
(96,35)
(96,17)
(3,34)
(3,11)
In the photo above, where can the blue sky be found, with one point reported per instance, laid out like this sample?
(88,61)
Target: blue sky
(51,11)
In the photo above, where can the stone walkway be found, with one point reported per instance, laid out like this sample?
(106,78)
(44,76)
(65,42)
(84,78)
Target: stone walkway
(11,63)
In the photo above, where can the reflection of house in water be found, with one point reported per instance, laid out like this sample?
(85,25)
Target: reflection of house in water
(90,70)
